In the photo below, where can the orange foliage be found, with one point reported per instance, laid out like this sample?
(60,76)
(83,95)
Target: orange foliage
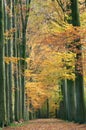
(52,59)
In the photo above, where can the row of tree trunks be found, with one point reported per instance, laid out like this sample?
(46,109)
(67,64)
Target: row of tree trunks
(73,93)
(13,44)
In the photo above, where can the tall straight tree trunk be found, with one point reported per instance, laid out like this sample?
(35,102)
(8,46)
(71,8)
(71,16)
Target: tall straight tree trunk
(23,55)
(15,54)
(10,54)
(24,20)
(2,85)
(17,75)
(80,107)
(6,65)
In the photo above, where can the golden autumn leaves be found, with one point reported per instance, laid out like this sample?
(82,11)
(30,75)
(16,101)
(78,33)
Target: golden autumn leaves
(50,62)
(45,71)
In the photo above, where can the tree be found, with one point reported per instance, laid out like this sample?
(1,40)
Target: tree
(24,21)
(2,77)
(80,106)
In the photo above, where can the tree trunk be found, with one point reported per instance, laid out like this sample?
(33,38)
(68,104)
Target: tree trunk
(6,66)
(23,53)
(47,108)
(80,107)
(10,54)
(71,100)
(2,84)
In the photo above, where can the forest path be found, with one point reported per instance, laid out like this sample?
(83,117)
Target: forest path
(49,124)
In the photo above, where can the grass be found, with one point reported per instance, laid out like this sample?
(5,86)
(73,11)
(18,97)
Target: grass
(19,124)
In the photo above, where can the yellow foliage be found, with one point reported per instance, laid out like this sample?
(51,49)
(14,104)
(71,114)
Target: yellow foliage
(83,19)
(12,59)
(46,65)
(36,93)
(44,72)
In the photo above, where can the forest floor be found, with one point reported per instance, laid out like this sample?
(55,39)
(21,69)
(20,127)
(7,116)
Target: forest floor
(48,124)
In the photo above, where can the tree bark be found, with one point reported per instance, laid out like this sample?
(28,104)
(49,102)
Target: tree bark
(2,76)
(80,106)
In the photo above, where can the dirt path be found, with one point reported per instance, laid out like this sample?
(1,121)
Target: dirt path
(49,124)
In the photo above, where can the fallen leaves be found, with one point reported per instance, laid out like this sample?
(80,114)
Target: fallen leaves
(49,124)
